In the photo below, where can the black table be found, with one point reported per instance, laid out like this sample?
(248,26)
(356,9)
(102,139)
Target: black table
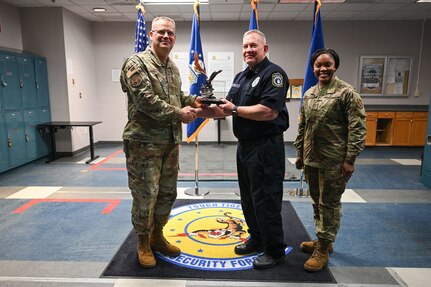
(53,126)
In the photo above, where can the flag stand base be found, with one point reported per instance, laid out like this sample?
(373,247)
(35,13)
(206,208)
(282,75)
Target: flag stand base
(300,192)
(196,191)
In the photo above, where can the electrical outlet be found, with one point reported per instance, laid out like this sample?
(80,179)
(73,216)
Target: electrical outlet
(417,94)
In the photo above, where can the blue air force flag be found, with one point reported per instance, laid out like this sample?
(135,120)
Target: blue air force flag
(316,44)
(197,74)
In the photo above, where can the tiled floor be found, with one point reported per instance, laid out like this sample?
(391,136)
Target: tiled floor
(61,223)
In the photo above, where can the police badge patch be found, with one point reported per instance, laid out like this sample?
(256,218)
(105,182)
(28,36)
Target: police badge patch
(136,80)
(277,80)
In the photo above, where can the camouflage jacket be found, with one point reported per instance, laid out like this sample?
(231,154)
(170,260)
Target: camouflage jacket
(331,125)
(154,99)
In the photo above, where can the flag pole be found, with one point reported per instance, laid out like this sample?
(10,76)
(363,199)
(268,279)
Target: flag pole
(196,191)
(198,74)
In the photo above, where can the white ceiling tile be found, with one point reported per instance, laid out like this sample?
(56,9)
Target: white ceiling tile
(354,7)
(225,16)
(57,3)
(160,9)
(109,9)
(289,7)
(288,16)
(225,8)
(126,8)
(88,2)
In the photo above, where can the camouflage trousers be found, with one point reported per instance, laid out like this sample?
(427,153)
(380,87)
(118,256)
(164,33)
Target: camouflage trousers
(326,188)
(152,172)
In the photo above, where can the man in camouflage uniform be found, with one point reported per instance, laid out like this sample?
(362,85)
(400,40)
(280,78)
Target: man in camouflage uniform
(156,108)
(331,134)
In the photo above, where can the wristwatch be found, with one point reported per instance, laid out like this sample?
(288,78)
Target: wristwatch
(235,111)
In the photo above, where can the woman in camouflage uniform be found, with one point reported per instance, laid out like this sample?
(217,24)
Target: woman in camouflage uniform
(331,134)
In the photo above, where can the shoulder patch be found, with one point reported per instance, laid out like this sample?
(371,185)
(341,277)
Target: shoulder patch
(136,80)
(359,103)
(277,80)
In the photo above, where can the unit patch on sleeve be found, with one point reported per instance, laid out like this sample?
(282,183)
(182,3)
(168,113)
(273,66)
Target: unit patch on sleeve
(136,80)
(277,80)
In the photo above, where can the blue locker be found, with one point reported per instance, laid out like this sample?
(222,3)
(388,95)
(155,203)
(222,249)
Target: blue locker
(31,119)
(426,166)
(16,138)
(42,82)
(44,137)
(9,82)
(4,157)
(27,81)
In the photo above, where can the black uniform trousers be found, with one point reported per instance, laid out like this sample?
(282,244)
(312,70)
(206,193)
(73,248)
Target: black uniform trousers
(261,168)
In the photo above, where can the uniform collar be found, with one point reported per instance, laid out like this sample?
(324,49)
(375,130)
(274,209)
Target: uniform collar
(156,59)
(332,86)
(259,67)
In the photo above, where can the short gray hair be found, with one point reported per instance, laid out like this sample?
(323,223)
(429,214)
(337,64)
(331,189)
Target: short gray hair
(255,32)
(160,18)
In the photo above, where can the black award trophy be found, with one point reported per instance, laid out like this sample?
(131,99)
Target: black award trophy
(207,91)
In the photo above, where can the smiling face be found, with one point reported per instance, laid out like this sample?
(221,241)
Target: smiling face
(254,49)
(163,37)
(324,69)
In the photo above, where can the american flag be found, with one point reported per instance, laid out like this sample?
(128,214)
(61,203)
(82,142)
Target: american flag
(141,39)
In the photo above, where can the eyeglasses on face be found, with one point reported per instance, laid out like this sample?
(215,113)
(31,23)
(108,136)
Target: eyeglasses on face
(163,32)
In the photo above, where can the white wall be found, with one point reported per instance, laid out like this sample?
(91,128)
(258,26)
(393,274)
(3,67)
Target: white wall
(81,76)
(10,35)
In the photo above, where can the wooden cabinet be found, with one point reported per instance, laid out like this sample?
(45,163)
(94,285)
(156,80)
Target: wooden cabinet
(371,128)
(396,128)
(419,128)
(403,128)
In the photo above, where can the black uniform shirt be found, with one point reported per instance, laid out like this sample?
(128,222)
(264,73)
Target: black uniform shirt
(267,85)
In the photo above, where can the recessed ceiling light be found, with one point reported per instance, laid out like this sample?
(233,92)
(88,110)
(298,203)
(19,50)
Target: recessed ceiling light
(99,9)
(423,1)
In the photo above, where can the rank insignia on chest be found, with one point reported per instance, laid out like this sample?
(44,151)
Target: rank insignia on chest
(277,80)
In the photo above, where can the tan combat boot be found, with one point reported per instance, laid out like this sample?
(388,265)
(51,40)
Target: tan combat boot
(319,258)
(145,255)
(309,246)
(160,244)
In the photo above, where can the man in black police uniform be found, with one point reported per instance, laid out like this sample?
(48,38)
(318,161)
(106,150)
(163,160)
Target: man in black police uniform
(257,103)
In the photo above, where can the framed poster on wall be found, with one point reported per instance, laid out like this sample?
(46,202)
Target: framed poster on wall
(398,76)
(295,88)
(371,75)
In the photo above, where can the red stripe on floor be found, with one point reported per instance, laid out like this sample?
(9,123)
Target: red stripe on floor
(111,206)
(95,166)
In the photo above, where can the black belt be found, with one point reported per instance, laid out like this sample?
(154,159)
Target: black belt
(262,140)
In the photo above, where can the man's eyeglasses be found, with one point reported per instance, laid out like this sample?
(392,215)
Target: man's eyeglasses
(163,32)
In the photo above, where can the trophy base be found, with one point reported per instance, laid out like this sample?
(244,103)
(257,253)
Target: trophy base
(211,101)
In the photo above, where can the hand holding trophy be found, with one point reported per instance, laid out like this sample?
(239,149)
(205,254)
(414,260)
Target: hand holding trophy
(207,91)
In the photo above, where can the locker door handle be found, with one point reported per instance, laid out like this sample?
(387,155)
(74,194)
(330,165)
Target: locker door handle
(21,83)
(37,84)
(27,139)
(3,83)
(9,142)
